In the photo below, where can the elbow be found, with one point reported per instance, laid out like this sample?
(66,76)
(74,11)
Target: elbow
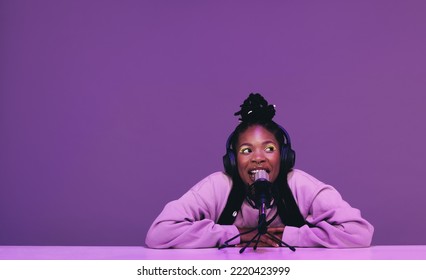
(164,236)
(155,243)
(361,242)
(363,237)
(368,236)
(150,241)
(155,240)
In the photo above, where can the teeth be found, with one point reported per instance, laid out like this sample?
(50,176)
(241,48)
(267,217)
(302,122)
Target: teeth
(256,171)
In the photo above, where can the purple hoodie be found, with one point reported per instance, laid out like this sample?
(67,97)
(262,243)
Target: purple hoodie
(191,221)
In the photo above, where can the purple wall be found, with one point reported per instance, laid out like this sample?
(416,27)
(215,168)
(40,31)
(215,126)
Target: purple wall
(110,109)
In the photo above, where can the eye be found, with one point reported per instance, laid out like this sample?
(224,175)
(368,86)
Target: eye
(270,148)
(245,150)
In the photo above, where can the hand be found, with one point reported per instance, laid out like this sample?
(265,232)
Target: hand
(265,240)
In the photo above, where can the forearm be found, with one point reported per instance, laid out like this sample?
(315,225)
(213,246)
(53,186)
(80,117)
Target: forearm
(323,234)
(190,221)
(199,234)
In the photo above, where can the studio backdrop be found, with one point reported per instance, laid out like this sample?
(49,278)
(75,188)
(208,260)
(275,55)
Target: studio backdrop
(110,109)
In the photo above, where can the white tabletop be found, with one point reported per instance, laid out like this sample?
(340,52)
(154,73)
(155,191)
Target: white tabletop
(415,252)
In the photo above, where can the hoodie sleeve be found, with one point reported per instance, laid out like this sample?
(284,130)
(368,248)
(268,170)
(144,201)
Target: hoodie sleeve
(334,223)
(190,221)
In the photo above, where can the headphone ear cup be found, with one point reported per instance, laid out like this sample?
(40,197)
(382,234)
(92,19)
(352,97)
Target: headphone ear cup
(288,158)
(288,155)
(229,163)
(291,158)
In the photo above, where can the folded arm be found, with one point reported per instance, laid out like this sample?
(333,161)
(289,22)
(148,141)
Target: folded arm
(335,224)
(190,221)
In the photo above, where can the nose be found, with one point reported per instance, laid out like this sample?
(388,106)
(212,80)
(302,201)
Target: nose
(258,157)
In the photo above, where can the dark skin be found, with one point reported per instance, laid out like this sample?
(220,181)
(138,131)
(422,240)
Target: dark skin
(258,149)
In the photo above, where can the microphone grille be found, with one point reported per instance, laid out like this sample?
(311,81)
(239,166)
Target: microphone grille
(261,175)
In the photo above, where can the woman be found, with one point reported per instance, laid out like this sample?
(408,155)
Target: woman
(303,211)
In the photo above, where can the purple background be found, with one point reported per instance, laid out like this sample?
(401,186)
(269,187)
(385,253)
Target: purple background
(110,109)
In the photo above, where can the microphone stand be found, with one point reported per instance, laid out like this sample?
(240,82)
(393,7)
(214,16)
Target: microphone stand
(262,197)
(262,229)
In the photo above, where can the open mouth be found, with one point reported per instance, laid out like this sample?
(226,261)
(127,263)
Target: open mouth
(252,173)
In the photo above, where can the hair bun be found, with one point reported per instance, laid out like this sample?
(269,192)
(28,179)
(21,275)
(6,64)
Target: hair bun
(256,109)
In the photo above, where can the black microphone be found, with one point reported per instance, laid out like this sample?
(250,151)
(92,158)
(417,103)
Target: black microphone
(259,196)
(262,194)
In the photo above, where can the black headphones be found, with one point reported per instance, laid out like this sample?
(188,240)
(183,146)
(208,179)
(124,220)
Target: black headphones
(288,156)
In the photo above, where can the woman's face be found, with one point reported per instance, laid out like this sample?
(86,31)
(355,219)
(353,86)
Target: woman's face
(257,148)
